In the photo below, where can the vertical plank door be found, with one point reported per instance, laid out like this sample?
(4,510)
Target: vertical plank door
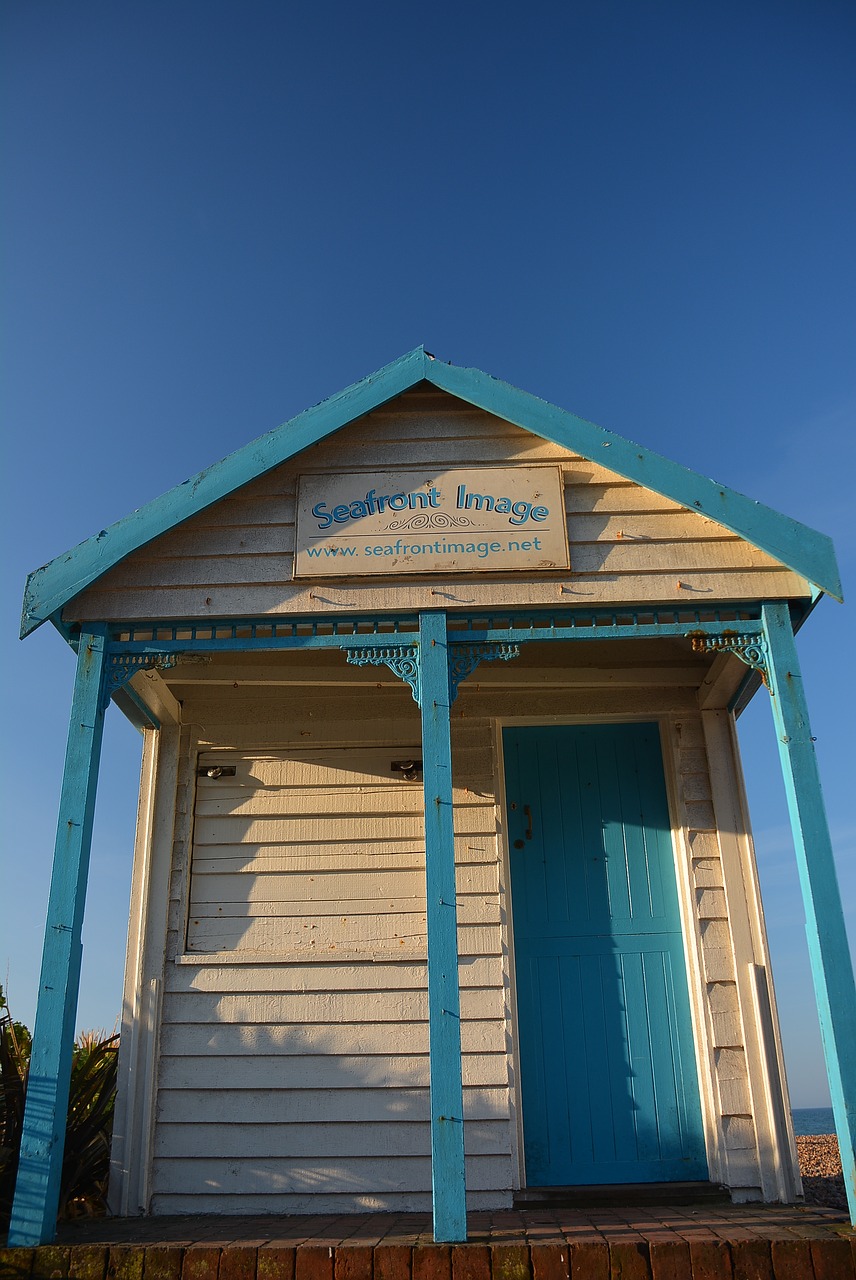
(608,1072)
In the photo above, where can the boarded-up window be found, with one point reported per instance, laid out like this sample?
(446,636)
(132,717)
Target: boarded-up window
(308,853)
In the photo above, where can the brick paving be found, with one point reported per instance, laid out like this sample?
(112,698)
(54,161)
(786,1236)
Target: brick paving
(661,1242)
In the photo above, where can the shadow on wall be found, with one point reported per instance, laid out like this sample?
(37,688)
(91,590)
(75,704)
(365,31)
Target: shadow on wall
(256,1116)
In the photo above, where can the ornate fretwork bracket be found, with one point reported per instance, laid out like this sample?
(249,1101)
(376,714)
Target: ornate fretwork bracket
(464,658)
(751,649)
(403,660)
(400,658)
(122,667)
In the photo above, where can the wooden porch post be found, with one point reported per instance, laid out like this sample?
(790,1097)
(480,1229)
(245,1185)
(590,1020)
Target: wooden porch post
(38,1183)
(829,955)
(444,1016)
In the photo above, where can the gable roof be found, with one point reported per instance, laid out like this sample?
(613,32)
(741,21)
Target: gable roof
(806,552)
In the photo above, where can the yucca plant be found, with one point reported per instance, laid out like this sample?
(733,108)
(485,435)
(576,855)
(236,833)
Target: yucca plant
(92,1095)
(14,1060)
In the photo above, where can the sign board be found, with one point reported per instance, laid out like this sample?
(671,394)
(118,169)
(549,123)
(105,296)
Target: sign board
(470,520)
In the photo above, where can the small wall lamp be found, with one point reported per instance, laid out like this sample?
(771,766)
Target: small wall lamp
(409,769)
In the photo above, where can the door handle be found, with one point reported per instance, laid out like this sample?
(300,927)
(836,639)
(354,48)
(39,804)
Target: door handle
(528,813)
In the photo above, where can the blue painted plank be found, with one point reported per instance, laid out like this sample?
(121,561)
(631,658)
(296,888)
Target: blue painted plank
(641,631)
(829,954)
(37,1189)
(444,1008)
(645,1022)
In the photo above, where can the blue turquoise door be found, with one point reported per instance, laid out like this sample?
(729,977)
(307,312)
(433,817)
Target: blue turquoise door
(608,1076)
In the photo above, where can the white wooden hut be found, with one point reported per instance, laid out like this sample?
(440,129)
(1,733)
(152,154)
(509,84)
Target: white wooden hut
(444,889)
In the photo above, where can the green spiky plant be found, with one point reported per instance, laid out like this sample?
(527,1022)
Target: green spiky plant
(92,1094)
(14,1059)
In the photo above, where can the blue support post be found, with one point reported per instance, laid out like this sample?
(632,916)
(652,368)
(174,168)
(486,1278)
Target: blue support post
(829,955)
(38,1184)
(444,1010)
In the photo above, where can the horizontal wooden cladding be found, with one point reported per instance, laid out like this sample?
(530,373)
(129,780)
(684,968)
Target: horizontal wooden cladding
(325,891)
(233,911)
(326,1106)
(394,1139)
(326,829)
(301,938)
(287,1009)
(362,799)
(479,774)
(362,716)
(355,1070)
(344,453)
(330,913)
(427,417)
(268,512)
(372,854)
(247,1040)
(285,1204)
(240,528)
(606,520)
(373,1175)
(314,771)
(268,723)
(472,908)
(323,768)
(314,802)
(304,935)
(262,713)
(643,527)
(600,491)
(696,587)
(369,976)
(388,435)
(640,544)
(271,500)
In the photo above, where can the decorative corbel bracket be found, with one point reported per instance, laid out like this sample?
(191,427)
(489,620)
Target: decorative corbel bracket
(464,658)
(402,660)
(122,667)
(750,649)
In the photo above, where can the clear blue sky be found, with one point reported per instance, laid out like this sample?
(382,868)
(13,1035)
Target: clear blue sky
(216,214)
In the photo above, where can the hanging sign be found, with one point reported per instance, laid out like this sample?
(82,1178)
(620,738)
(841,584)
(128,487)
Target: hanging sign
(474,520)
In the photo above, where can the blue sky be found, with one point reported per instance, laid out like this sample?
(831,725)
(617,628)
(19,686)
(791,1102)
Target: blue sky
(216,214)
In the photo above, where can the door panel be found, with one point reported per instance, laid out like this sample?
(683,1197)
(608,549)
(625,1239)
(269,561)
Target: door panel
(608,1076)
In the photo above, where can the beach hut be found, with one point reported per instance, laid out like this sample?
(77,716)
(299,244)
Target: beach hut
(444,891)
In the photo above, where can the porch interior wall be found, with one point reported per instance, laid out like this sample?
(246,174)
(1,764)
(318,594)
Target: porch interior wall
(744,1159)
(245,1125)
(627,543)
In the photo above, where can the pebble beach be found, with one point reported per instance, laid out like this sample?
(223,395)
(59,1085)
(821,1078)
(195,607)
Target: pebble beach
(820,1167)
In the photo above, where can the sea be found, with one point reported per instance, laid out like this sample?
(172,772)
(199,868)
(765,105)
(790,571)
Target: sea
(808,1120)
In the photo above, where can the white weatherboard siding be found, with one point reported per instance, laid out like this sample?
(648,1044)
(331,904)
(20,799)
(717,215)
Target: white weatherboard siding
(627,544)
(308,854)
(293,1067)
(294,1047)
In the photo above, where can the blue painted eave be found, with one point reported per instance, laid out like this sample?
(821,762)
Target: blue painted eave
(807,552)
(50,588)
